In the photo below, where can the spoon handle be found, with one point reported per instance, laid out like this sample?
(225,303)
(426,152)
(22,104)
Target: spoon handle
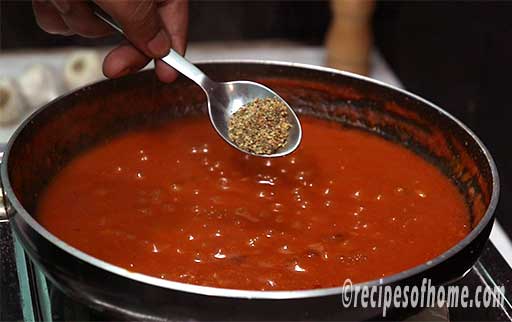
(188,69)
(172,59)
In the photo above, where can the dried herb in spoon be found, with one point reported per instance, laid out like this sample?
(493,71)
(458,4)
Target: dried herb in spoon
(261,126)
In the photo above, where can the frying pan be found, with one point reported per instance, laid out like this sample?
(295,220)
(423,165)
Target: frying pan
(57,132)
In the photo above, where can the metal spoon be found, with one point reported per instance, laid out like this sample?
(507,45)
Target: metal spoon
(225,98)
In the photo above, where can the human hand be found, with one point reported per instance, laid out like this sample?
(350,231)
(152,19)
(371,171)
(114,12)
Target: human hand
(153,27)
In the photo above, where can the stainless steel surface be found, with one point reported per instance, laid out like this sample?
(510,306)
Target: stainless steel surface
(3,213)
(38,148)
(225,98)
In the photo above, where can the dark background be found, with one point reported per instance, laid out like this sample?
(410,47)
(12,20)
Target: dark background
(305,21)
(456,54)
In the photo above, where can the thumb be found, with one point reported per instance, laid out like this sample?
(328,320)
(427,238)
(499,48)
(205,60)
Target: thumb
(141,24)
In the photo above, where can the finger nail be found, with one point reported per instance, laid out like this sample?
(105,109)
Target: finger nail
(62,6)
(122,72)
(160,44)
(117,71)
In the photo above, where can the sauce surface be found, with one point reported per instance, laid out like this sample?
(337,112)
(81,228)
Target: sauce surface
(178,203)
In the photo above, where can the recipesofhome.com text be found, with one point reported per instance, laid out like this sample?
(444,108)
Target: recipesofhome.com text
(425,295)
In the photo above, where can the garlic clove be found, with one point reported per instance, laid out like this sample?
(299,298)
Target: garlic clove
(82,67)
(40,84)
(13,105)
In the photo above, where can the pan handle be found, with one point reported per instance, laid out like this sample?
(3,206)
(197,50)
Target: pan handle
(3,212)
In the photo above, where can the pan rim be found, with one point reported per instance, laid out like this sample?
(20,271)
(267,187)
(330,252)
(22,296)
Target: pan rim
(255,294)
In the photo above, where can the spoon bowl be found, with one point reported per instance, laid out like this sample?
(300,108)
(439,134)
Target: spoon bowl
(225,98)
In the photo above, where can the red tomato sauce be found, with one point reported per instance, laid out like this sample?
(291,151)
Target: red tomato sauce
(176,202)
